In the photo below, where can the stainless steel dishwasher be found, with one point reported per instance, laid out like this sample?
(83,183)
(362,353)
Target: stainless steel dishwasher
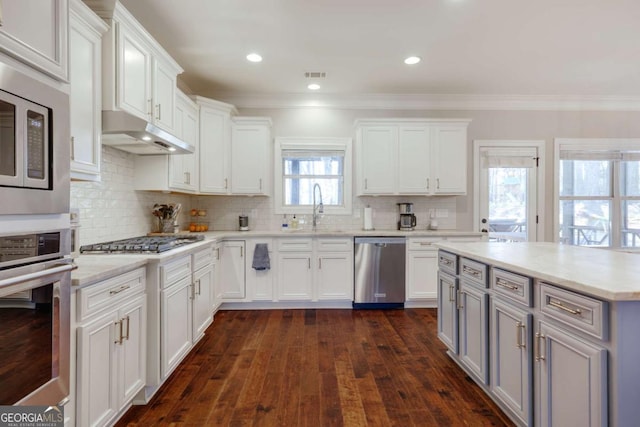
(379,272)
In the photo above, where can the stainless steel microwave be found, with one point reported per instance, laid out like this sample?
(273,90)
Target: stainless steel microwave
(34,145)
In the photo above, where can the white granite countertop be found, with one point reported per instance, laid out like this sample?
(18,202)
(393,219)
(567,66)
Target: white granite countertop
(607,274)
(93,268)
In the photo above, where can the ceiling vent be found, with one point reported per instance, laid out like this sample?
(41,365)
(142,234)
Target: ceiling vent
(315,75)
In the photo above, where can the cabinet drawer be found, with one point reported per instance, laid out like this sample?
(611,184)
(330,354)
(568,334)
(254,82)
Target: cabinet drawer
(474,271)
(335,245)
(93,299)
(422,243)
(448,262)
(582,312)
(175,270)
(202,258)
(294,245)
(513,286)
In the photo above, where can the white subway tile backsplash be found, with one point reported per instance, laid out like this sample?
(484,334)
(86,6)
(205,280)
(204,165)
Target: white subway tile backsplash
(111,209)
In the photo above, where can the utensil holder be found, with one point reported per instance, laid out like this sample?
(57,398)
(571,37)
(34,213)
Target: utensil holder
(165,225)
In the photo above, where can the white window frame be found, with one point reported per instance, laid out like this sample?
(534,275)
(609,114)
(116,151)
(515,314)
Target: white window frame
(592,144)
(313,144)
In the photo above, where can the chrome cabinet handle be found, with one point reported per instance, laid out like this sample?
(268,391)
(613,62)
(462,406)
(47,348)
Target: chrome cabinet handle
(158,112)
(437,183)
(217,254)
(309,261)
(427,183)
(193,291)
(261,184)
(472,271)
(519,328)
(118,325)
(127,334)
(559,305)
(73,140)
(505,284)
(199,288)
(241,251)
(319,263)
(150,107)
(226,183)
(459,305)
(120,289)
(451,297)
(538,347)
(446,261)
(366,184)
(425,244)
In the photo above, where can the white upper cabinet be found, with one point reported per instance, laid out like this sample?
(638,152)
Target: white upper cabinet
(85,95)
(139,76)
(215,145)
(36,32)
(412,156)
(251,152)
(183,168)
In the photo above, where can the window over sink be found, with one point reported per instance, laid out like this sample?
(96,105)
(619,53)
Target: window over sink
(303,162)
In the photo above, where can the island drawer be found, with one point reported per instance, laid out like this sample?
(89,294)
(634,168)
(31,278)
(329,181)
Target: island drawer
(448,262)
(295,245)
(93,299)
(582,312)
(474,271)
(513,286)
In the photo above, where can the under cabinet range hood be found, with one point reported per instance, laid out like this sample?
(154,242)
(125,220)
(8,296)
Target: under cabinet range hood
(129,133)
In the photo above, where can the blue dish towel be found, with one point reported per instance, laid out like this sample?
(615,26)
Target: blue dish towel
(261,257)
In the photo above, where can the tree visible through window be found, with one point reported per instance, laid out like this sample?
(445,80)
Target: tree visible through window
(302,170)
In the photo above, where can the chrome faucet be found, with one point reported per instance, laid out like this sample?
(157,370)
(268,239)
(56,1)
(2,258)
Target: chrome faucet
(317,207)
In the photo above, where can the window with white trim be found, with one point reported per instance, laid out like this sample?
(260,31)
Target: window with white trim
(303,162)
(598,190)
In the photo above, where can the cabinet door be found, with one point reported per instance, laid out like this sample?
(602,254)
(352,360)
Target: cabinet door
(176,318)
(202,295)
(164,95)
(232,270)
(572,379)
(260,282)
(97,402)
(250,157)
(422,275)
(377,147)
(85,98)
(133,363)
(474,330)
(448,311)
(511,364)
(414,158)
(334,276)
(450,159)
(35,31)
(134,74)
(190,122)
(294,276)
(214,151)
(177,172)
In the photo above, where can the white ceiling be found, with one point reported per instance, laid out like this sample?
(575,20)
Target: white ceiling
(554,48)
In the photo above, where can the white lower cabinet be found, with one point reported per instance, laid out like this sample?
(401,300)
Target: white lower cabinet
(260,282)
(422,269)
(232,284)
(176,318)
(473,335)
(202,295)
(294,276)
(571,379)
(111,347)
(511,358)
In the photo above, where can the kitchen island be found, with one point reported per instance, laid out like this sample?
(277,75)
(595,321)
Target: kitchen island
(549,331)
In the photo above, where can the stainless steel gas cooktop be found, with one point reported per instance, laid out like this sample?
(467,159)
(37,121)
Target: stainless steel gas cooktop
(142,244)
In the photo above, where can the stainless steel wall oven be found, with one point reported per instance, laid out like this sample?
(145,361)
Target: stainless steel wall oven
(35,279)
(34,145)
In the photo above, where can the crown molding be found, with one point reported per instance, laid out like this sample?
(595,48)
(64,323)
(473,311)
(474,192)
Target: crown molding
(433,102)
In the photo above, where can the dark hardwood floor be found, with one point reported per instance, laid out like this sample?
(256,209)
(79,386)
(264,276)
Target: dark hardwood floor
(319,368)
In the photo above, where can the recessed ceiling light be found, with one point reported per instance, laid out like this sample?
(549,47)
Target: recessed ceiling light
(412,60)
(314,86)
(146,138)
(172,148)
(254,57)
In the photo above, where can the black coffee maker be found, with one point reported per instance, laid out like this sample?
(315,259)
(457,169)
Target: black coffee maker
(407,220)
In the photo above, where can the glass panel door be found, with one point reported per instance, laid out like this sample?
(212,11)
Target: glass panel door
(508,193)
(10,156)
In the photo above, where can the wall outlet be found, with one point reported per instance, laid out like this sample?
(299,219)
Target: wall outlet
(442,213)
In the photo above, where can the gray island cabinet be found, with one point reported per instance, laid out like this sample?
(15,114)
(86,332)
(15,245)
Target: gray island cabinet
(550,332)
